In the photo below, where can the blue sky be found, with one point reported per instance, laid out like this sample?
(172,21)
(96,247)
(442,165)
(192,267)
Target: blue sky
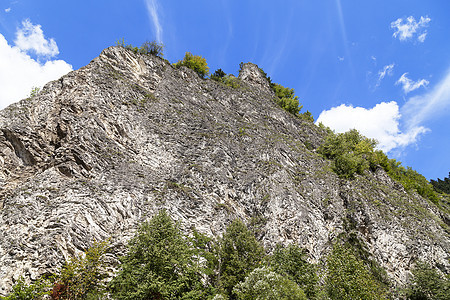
(382,67)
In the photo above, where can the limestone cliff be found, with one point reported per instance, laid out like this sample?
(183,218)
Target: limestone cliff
(103,148)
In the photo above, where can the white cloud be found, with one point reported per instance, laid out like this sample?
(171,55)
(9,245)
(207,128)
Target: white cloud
(421,108)
(373,58)
(409,85)
(19,73)
(341,58)
(7,10)
(406,29)
(421,38)
(394,128)
(31,38)
(387,70)
(152,9)
(380,122)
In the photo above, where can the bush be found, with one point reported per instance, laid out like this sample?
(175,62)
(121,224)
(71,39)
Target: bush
(411,180)
(348,278)
(265,284)
(194,62)
(239,253)
(153,48)
(285,99)
(218,75)
(23,291)
(161,263)
(427,284)
(291,263)
(147,48)
(351,152)
(82,277)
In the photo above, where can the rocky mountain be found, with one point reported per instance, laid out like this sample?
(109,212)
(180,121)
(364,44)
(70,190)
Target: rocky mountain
(105,147)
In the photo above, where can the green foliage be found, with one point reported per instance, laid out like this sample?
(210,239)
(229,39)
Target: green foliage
(285,99)
(194,62)
(147,48)
(411,180)
(347,277)
(427,284)
(23,291)
(153,48)
(291,262)
(264,284)
(351,152)
(82,277)
(442,185)
(161,263)
(307,116)
(238,254)
(34,91)
(218,74)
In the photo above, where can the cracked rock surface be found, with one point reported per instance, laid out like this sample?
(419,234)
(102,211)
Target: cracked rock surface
(105,147)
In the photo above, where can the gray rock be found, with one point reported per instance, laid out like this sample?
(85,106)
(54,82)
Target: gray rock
(105,147)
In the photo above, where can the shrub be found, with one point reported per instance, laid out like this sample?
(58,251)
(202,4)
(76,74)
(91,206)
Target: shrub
(291,262)
(265,284)
(351,152)
(238,254)
(218,75)
(348,278)
(153,48)
(194,62)
(82,277)
(147,48)
(427,283)
(161,263)
(23,291)
(285,99)
(34,91)
(411,180)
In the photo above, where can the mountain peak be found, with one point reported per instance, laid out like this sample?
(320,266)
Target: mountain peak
(107,146)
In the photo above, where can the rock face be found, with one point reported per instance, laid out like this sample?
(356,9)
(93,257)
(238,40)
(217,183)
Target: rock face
(105,147)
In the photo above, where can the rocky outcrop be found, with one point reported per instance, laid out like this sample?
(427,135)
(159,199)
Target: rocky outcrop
(102,149)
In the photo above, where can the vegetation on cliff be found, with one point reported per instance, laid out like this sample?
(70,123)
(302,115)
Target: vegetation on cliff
(164,263)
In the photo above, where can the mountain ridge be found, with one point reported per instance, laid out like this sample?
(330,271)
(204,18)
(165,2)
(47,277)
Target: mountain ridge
(106,146)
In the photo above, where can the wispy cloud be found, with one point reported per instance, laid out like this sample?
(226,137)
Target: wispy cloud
(7,10)
(387,70)
(19,73)
(152,9)
(394,127)
(406,29)
(30,37)
(409,85)
(430,105)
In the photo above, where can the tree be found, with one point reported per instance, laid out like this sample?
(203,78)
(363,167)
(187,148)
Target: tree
(442,185)
(153,48)
(427,284)
(291,262)
(239,253)
(348,279)
(218,74)
(194,62)
(285,99)
(82,277)
(161,263)
(264,284)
